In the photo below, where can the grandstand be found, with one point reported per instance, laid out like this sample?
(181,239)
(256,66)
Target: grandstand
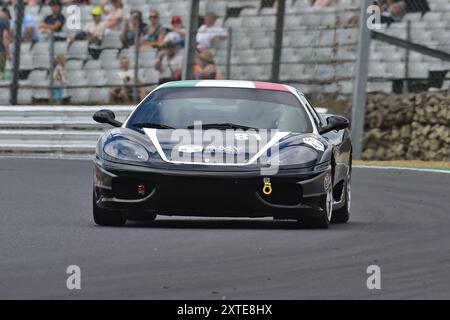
(318,54)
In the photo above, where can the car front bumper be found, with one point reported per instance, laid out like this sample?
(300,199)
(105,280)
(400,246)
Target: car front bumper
(226,194)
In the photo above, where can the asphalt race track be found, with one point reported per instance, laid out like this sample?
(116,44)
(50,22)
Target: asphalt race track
(401,222)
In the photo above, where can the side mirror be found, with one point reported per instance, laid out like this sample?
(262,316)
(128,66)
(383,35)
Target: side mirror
(335,123)
(106,116)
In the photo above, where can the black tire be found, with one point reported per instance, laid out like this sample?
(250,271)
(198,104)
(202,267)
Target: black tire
(342,215)
(107,218)
(322,221)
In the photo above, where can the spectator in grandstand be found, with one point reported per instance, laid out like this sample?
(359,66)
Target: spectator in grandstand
(55,21)
(76,1)
(133,26)
(59,78)
(392,10)
(322,3)
(162,38)
(208,32)
(5,13)
(114,13)
(93,32)
(152,37)
(4,40)
(206,67)
(30,29)
(177,34)
(125,92)
(169,64)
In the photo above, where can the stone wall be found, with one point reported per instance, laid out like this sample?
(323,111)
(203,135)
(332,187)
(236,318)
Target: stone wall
(408,127)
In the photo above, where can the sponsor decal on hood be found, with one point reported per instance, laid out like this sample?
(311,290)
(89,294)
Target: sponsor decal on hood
(215,147)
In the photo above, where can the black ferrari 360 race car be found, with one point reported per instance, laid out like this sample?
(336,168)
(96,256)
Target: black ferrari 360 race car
(223,149)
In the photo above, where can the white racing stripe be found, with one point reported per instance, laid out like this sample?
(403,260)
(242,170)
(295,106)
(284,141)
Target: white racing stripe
(226,84)
(151,133)
(402,168)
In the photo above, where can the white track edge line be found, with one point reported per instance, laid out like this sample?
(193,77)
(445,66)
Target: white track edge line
(401,168)
(43,157)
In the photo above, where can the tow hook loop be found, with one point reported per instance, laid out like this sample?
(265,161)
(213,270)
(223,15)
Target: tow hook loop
(267,189)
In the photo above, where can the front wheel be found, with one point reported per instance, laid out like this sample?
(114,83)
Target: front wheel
(342,215)
(323,220)
(107,218)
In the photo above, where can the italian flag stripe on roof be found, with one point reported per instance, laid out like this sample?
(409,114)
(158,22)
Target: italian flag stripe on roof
(226,84)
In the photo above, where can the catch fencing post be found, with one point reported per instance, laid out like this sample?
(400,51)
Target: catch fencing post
(20,9)
(191,40)
(52,66)
(229,48)
(137,35)
(361,76)
(278,46)
(407,58)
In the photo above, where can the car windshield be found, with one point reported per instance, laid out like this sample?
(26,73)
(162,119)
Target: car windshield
(223,108)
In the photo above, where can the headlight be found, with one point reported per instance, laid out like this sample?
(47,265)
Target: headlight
(296,156)
(323,166)
(124,149)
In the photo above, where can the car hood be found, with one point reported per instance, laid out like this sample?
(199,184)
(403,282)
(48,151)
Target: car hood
(224,150)
(236,147)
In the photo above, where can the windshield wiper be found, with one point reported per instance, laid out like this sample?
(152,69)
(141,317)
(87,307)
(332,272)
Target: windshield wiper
(151,125)
(222,126)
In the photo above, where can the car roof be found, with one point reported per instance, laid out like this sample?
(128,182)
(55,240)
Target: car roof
(228,84)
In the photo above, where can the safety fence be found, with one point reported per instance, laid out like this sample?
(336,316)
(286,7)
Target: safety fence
(116,51)
(52,131)
(312,45)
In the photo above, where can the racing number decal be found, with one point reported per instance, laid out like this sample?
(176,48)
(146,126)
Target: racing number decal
(245,136)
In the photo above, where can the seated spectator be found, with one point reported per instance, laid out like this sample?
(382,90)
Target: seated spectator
(133,26)
(152,38)
(161,38)
(125,93)
(4,40)
(208,32)
(206,67)
(114,14)
(392,10)
(322,3)
(177,34)
(59,78)
(76,1)
(93,32)
(55,21)
(169,64)
(30,29)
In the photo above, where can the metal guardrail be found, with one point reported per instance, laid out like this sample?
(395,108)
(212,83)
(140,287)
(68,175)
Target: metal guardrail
(52,132)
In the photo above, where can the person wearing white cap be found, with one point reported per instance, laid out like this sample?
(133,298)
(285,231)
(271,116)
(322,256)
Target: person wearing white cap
(209,32)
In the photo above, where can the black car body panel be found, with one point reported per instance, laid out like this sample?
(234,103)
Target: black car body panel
(204,184)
